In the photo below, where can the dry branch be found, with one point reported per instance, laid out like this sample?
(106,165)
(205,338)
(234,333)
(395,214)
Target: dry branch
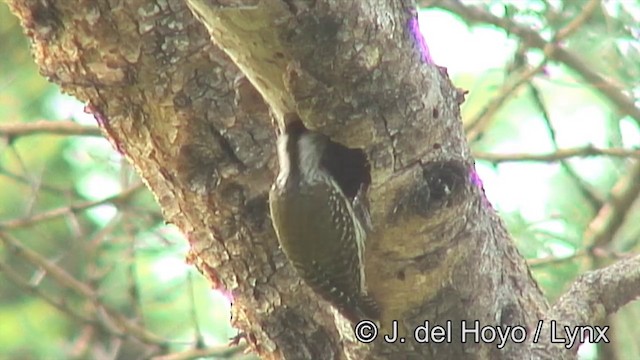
(48,127)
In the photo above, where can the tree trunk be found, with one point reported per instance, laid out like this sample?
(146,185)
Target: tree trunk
(193,118)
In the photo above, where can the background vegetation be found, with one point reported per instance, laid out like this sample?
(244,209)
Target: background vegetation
(86,260)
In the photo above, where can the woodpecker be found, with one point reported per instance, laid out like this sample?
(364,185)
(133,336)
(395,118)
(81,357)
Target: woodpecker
(317,226)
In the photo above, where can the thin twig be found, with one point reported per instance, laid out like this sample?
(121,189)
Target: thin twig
(52,214)
(606,224)
(595,252)
(561,154)
(611,91)
(194,313)
(34,289)
(477,125)
(65,127)
(24,181)
(219,352)
(105,314)
(583,187)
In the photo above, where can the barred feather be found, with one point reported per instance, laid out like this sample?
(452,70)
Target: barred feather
(317,226)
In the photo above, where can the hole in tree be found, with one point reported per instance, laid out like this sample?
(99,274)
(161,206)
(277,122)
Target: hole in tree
(348,167)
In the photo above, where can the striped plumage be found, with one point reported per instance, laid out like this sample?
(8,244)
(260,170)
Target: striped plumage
(316,224)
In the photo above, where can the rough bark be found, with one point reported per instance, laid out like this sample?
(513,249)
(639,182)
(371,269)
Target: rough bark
(188,116)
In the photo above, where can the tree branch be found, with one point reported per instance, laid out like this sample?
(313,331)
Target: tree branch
(611,91)
(55,213)
(598,293)
(48,127)
(603,228)
(560,154)
(477,125)
(110,318)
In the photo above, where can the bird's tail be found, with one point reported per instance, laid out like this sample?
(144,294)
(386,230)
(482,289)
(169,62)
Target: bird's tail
(364,308)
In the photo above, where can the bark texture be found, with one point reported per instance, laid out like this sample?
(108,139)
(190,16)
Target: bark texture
(192,119)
